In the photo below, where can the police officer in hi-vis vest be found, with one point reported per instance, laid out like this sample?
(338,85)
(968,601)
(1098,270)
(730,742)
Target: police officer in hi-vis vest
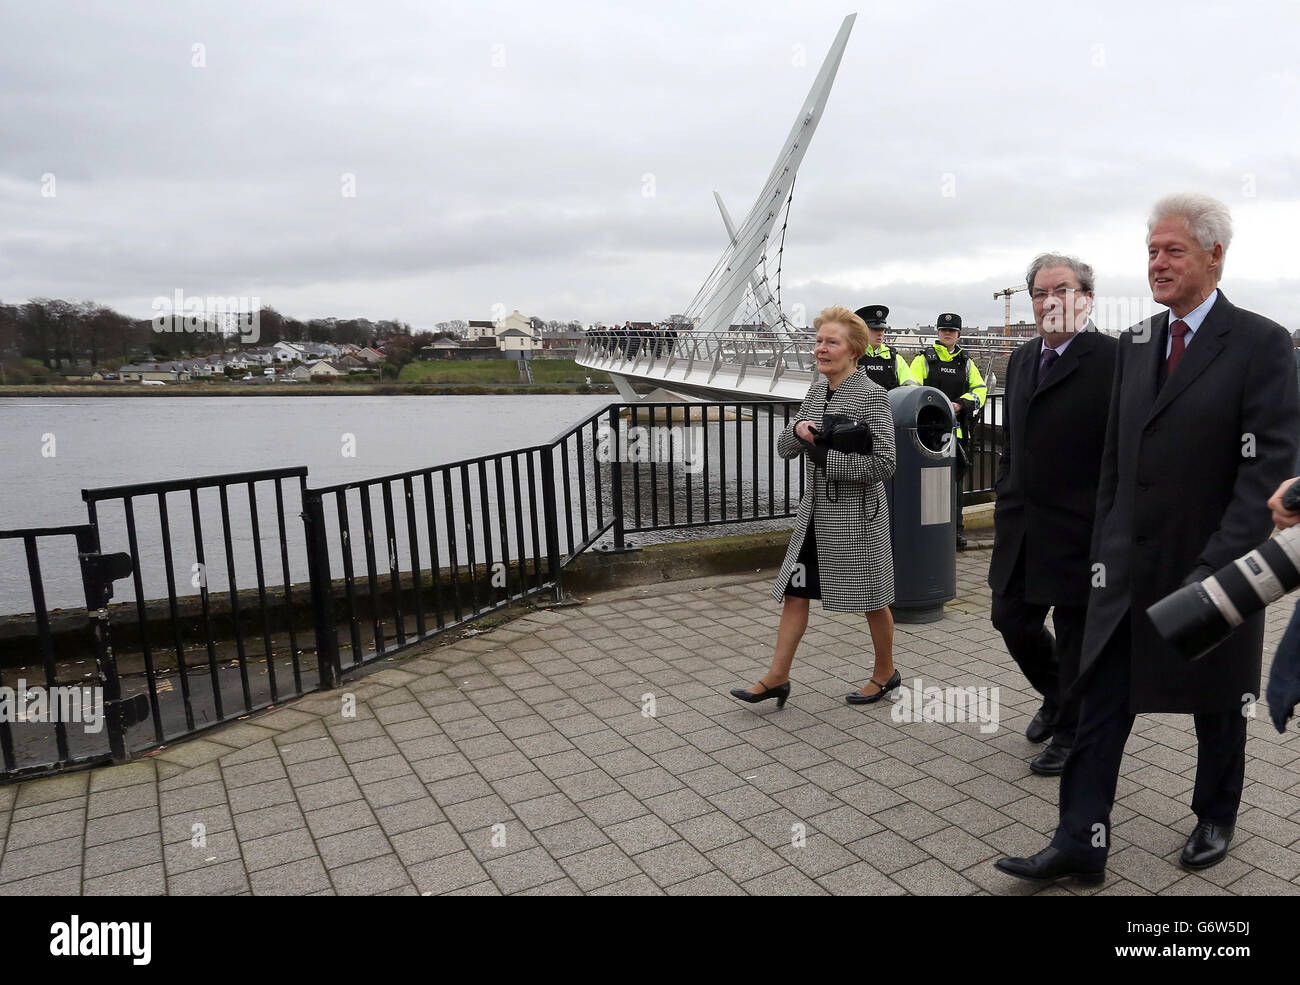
(947,367)
(883,365)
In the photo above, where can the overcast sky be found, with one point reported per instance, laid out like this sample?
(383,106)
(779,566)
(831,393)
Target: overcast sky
(500,151)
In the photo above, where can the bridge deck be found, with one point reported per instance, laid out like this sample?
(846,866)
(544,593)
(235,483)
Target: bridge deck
(537,726)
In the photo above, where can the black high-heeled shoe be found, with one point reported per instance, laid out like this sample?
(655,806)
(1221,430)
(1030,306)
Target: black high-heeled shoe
(858,698)
(781,692)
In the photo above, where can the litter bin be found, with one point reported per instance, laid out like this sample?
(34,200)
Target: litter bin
(923,504)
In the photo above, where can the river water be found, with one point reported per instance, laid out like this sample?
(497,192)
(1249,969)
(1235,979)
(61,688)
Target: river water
(52,448)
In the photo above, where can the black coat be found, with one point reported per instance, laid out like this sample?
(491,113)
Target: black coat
(1185,477)
(1052,440)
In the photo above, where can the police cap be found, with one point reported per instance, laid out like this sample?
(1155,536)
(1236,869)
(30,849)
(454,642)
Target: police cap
(874,315)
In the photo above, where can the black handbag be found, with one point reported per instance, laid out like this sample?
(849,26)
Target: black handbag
(840,432)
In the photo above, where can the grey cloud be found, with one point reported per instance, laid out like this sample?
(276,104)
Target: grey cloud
(480,181)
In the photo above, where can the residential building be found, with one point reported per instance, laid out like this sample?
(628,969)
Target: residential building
(165,371)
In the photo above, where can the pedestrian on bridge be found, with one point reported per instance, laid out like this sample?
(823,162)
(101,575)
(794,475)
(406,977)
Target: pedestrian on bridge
(839,552)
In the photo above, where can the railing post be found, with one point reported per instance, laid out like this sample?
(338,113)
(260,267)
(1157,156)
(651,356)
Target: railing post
(322,594)
(97,574)
(616,479)
(550,519)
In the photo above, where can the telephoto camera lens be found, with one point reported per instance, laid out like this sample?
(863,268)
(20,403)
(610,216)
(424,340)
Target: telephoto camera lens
(1198,617)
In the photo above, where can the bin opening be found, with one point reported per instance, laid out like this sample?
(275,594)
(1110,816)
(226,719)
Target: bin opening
(933,427)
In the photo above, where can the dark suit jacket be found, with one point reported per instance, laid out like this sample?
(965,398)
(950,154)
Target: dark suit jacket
(1185,476)
(1052,440)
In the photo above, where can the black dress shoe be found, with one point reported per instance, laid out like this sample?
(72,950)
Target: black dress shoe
(858,698)
(781,692)
(961,540)
(1051,761)
(1049,865)
(1207,846)
(1040,729)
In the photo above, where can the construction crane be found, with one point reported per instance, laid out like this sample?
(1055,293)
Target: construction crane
(1006,293)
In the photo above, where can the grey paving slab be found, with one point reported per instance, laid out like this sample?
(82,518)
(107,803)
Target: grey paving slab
(115,827)
(40,830)
(448,874)
(117,856)
(636,886)
(712,883)
(598,867)
(408,815)
(224,879)
(353,846)
(291,879)
(370,877)
(146,880)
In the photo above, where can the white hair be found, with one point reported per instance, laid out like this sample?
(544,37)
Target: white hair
(1206,219)
(1076,266)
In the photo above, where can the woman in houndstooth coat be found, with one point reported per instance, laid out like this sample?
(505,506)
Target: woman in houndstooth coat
(839,551)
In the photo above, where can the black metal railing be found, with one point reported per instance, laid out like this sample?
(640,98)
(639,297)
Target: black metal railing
(231,645)
(72,719)
(986,445)
(274,608)
(425,551)
(703,465)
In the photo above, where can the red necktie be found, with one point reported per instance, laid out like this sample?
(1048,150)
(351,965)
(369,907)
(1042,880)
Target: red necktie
(1178,330)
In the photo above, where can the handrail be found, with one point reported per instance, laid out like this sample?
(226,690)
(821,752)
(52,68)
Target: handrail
(605,348)
(197,482)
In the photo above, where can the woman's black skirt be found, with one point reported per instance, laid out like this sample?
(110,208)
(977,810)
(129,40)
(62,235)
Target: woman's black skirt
(812,586)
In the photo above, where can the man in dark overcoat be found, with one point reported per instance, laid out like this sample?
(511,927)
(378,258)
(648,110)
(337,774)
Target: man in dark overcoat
(1053,431)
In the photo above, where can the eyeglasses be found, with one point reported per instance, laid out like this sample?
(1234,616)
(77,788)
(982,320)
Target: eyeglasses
(1060,293)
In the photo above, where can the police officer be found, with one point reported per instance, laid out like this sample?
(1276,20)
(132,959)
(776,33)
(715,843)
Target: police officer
(882,365)
(946,366)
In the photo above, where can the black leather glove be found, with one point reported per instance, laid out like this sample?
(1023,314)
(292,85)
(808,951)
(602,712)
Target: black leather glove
(816,452)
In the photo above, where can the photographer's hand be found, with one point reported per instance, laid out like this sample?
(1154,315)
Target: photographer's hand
(1283,517)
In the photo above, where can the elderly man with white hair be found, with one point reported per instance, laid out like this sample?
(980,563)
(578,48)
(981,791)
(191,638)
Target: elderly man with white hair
(1203,424)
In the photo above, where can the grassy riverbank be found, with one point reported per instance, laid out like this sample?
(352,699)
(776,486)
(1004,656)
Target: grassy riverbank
(495,376)
(561,372)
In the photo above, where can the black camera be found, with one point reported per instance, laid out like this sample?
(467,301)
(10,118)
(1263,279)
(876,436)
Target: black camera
(1198,617)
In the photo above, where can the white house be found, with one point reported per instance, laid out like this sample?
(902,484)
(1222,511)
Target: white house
(321,367)
(205,366)
(263,355)
(515,322)
(515,340)
(304,351)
